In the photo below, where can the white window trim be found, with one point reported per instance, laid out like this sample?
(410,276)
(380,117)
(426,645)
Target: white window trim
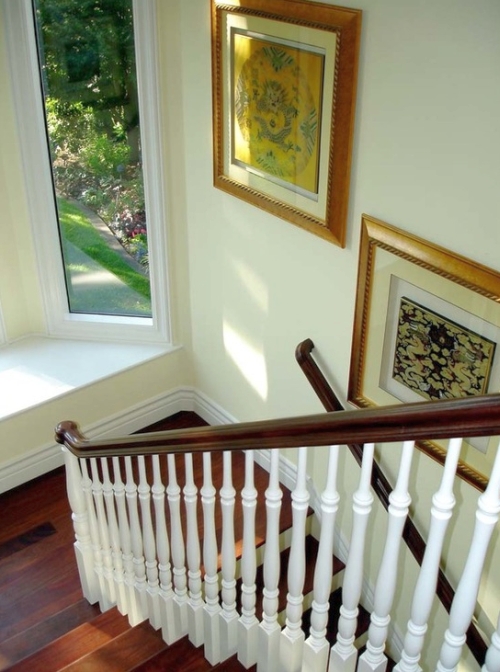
(3,332)
(27,95)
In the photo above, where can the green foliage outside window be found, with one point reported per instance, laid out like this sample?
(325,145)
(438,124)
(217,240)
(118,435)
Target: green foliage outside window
(90,89)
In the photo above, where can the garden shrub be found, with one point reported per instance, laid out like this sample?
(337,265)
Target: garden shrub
(93,167)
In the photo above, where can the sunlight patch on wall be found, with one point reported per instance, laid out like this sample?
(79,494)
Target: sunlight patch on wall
(37,369)
(256,288)
(249,360)
(21,388)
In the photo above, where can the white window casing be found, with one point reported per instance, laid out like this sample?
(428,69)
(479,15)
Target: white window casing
(26,90)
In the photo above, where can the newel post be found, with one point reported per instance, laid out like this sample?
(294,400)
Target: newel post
(83,543)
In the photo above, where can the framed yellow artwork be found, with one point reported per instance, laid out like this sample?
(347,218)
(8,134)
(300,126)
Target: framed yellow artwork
(284,74)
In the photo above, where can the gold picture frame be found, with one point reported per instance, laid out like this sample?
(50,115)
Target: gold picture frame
(426,326)
(284,84)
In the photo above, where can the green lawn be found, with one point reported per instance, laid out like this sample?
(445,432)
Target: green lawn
(98,297)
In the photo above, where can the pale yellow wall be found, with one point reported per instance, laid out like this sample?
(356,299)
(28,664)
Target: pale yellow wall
(426,148)
(425,159)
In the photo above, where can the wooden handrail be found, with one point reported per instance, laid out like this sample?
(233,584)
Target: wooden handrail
(473,416)
(383,489)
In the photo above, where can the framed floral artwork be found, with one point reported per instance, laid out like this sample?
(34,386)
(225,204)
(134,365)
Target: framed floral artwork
(426,327)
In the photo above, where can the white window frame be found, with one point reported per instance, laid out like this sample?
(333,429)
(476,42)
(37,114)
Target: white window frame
(3,331)
(25,77)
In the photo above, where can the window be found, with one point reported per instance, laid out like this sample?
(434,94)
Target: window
(80,63)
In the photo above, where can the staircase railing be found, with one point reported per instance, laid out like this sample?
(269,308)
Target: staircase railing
(139,548)
(382,488)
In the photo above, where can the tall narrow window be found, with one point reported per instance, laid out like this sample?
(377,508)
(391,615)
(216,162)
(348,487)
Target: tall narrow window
(81,80)
(89,83)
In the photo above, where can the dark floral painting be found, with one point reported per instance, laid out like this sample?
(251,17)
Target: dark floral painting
(438,358)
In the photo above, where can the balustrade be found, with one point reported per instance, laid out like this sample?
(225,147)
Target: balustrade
(138,545)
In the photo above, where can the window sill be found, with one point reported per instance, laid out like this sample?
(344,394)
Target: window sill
(38,369)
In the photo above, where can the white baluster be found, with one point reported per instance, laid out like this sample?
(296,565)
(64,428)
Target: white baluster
(163,550)
(343,655)
(140,587)
(134,611)
(195,604)
(248,623)
(492,661)
(177,550)
(83,544)
(102,524)
(211,579)
(425,588)
(228,628)
(148,539)
(114,533)
(316,647)
(104,602)
(269,629)
(292,637)
(462,608)
(374,659)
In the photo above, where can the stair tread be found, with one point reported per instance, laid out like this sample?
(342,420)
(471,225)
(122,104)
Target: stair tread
(76,643)
(181,655)
(184,656)
(123,653)
(39,579)
(233,665)
(41,634)
(43,603)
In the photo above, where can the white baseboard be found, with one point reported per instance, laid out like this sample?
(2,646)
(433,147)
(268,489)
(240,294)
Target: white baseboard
(49,456)
(209,410)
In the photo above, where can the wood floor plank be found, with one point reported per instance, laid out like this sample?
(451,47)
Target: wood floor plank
(33,503)
(43,561)
(74,645)
(41,603)
(28,538)
(43,570)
